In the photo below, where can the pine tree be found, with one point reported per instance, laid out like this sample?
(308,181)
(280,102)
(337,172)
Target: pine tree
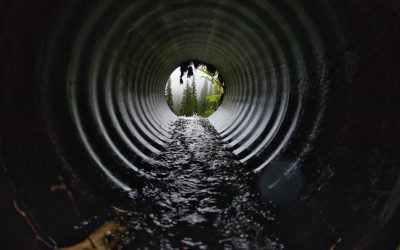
(168,94)
(186,106)
(194,101)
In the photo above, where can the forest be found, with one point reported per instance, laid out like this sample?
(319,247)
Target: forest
(191,102)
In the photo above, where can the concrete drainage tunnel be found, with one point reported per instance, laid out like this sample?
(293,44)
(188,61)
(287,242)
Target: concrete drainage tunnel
(311,108)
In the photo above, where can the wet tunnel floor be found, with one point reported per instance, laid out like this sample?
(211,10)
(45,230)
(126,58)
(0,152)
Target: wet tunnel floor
(205,199)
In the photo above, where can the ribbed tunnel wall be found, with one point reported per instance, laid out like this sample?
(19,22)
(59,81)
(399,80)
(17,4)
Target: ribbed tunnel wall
(117,76)
(310,105)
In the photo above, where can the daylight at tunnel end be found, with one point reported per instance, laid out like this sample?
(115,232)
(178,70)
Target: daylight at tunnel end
(310,105)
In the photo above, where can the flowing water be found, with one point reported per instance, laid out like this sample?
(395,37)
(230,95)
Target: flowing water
(204,200)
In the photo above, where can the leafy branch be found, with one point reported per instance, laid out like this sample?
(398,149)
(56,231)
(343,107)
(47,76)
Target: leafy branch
(218,87)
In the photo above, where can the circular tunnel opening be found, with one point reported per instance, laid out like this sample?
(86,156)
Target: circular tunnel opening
(194,90)
(83,112)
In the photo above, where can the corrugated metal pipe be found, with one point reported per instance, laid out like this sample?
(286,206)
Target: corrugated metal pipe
(311,105)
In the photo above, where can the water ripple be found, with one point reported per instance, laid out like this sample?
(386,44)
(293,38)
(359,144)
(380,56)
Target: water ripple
(204,200)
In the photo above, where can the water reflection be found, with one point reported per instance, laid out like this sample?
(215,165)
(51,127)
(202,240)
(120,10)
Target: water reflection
(205,199)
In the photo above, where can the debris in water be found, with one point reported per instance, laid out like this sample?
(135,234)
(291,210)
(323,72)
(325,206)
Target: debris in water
(104,238)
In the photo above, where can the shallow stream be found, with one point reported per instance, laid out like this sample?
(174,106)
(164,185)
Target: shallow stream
(205,199)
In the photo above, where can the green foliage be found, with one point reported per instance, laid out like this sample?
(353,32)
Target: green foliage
(194,101)
(208,112)
(213,98)
(210,97)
